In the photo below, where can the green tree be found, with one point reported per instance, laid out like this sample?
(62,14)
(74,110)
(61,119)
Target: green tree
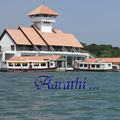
(102,50)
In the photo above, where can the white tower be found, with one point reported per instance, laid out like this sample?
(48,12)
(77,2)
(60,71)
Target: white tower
(43,17)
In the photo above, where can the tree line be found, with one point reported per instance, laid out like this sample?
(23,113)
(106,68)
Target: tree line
(102,50)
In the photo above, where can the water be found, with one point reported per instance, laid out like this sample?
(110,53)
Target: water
(20,100)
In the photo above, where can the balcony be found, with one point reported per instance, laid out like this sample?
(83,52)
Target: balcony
(45,50)
(37,19)
(24,48)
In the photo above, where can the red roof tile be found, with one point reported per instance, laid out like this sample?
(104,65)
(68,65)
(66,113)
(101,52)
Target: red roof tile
(43,10)
(60,39)
(112,60)
(18,37)
(33,36)
(35,58)
(30,35)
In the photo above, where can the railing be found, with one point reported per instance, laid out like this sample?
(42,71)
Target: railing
(25,49)
(43,19)
(52,49)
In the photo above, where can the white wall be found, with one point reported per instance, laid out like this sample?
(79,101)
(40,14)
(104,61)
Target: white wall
(53,64)
(6,43)
(45,27)
(108,65)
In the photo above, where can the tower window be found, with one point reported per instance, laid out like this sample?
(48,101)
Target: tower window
(46,22)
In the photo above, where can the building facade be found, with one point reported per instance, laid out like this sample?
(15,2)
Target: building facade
(41,39)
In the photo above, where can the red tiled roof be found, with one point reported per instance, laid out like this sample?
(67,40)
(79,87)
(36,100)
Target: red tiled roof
(43,10)
(60,39)
(112,60)
(18,37)
(57,31)
(30,35)
(33,36)
(35,58)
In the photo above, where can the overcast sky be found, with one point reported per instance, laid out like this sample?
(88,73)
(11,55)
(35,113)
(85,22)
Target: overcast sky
(91,21)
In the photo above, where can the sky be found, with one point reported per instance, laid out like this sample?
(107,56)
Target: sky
(91,21)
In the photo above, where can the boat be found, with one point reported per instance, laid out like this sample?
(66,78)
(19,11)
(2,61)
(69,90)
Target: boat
(32,63)
(94,66)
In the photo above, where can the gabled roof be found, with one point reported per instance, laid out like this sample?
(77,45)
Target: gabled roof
(32,35)
(60,39)
(43,10)
(34,58)
(18,37)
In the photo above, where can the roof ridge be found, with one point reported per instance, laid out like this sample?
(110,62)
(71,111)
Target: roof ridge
(13,34)
(20,28)
(40,34)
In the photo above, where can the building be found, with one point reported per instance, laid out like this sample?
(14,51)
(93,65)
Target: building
(41,39)
(115,61)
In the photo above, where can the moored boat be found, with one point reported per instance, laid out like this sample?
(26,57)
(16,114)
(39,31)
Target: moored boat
(32,63)
(95,66)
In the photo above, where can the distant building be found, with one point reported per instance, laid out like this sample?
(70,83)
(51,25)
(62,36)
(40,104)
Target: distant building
(115,61)
(41,39)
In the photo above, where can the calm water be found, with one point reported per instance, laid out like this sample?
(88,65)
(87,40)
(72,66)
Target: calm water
(20,100)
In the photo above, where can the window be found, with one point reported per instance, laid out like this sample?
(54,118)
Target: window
(81,65)
(12,47)
(10,64)
(17,64)
(24,65)
(93,66)
(51,64)
(98,66)
(46,22)
(85,65)
(43,64)
(109,64)
(36,64)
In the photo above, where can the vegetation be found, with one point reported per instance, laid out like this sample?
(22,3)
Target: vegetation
(102,50)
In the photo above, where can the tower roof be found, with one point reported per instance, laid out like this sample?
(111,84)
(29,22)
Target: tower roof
(43,10)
